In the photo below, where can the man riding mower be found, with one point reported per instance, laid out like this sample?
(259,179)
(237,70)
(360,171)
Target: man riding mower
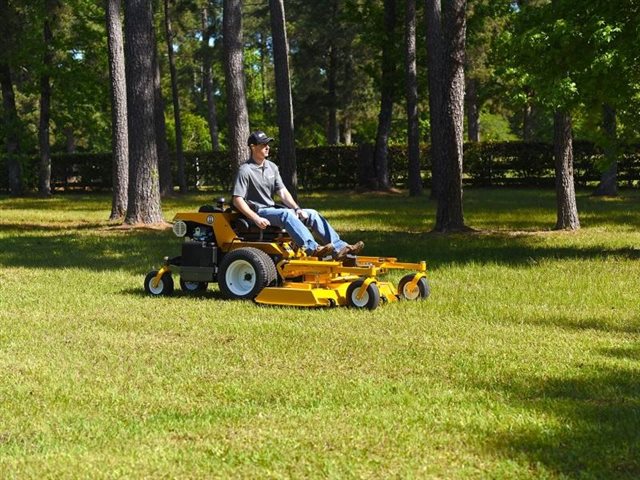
(267,266)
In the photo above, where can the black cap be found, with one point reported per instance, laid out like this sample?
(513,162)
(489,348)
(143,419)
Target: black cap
(258,138)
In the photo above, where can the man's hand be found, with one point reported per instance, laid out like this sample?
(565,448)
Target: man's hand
(262,223)
(302,215)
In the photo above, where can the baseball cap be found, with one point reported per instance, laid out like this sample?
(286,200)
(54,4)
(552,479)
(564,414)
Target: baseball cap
(258,138)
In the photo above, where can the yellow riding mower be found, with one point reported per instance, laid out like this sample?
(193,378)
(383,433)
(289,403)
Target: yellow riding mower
(222,246)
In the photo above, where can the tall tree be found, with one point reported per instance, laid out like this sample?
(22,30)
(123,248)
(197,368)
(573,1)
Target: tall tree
(473,110)
(544,34)
(207,77)
(144,189)
(381,152)
(287,147)
(162,145)
(567,210)
(411,81)
(609,179)
(12,130)
(449,214)
(119,132)
(44,183)
(435,61)
(182,182)
(10,117)
(237,114)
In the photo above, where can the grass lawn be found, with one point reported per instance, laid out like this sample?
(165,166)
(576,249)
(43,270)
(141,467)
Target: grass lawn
(524,363)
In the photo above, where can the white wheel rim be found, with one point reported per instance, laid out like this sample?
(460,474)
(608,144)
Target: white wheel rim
(157,290)
(410,293)
(240,277)
(360,302)
(191,285)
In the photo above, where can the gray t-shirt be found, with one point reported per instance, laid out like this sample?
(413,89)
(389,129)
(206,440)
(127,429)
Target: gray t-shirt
(258,184)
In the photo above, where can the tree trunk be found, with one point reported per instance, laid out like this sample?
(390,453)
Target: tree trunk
(44,184)
(608,185)
(263,70)
(287,149)
(366,173)
(381,153)
(346,130)
(182,182)
(333,127)
(567,210)
(413,140)
(333,131)
(12,129)
(449,215)
(70,139)
(234,77)
(473,112)
(435,62)
(162,145)
(207,80)
(527,117)
(119,133)
(144,189)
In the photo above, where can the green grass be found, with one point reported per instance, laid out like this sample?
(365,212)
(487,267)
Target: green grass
(524,363)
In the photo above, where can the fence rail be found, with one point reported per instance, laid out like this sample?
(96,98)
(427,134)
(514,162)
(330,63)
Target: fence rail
(346,167)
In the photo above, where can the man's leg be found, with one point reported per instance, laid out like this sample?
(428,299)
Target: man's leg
(327,234)
(324,230)
(287,219)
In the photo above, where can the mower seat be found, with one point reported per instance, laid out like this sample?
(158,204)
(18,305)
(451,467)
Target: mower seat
(250,232)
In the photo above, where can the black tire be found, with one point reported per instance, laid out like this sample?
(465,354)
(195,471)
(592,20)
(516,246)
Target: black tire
(370,299)
(193,287)
(245,272)
(165,286)
(421,292)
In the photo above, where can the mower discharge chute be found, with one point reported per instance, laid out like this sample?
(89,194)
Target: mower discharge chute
(222,246)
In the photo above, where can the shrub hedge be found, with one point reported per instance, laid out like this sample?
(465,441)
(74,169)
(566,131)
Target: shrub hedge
(341,167)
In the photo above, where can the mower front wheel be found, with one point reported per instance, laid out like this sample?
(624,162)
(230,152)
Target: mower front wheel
(164,287)
(193,287)
(419,292)
(370,298)
(245,272)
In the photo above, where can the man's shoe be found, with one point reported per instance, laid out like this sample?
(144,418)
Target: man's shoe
(354,249)
(322,251)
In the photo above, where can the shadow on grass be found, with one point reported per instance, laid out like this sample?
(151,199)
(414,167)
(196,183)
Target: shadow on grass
(571,323)
(587,426)
(177,293)
(495,248)
(132,251)
(139,250)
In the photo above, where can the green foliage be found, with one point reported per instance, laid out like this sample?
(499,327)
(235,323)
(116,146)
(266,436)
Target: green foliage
(495,128)
(195,132)
(536,53)
(575,55)
(522,364)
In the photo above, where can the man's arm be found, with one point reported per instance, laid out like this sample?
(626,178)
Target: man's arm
(288,200)
(243,207)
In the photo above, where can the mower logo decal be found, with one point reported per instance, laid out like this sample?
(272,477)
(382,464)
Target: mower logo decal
(210,219)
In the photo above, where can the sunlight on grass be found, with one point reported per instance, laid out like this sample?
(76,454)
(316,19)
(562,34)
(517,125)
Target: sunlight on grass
(523,363)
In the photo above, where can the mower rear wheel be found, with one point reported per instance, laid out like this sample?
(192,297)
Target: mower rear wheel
(420,292)
(245,272)
(370,298)
(164,287)
(193,287)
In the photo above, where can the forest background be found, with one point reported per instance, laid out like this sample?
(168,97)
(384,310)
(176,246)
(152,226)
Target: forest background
(530,66)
